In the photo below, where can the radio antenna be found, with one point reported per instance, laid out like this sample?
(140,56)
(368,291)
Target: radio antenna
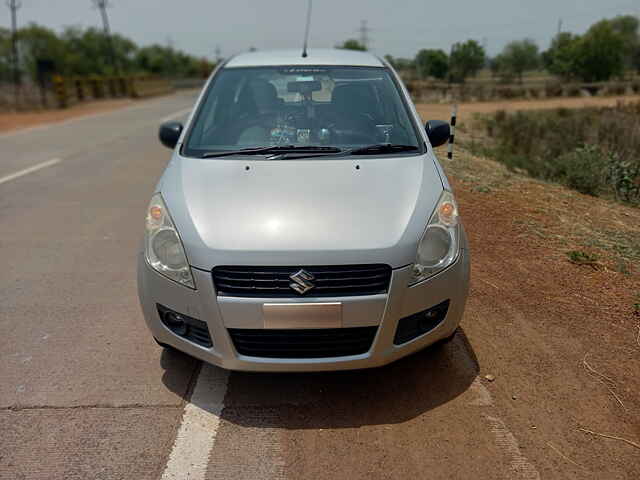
(306,32)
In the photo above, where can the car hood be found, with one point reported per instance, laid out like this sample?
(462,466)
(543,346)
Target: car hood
(301,212)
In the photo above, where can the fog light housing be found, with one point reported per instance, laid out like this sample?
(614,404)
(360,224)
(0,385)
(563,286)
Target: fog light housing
(175,322)
(192,329)
(420,323)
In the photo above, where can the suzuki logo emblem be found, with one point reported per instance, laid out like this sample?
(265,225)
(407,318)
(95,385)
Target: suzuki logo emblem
(301,281)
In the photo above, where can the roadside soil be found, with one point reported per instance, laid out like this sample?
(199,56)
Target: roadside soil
(10,121)
(562,339)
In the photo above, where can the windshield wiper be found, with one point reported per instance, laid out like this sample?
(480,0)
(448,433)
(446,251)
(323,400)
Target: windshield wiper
(368,150)
(272,149)
(381,148)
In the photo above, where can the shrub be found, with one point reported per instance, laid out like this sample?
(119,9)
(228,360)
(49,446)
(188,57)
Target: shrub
(582,169)
(592,150)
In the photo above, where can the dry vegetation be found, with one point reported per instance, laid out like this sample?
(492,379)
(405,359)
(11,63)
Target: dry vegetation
(592,150)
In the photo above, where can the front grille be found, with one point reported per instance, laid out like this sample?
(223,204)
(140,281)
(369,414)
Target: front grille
(329,281)
(311,343)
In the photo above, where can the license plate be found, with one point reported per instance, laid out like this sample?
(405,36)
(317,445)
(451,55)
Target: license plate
(302,315)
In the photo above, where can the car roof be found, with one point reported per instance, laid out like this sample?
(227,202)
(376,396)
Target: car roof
(328,56)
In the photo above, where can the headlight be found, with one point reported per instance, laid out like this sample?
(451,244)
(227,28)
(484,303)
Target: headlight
(440,244)
(162,245)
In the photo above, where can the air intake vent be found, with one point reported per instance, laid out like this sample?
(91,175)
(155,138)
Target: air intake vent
(327,281)
(312,343)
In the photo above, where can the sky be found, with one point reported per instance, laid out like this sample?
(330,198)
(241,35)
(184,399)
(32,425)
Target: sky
(396,27)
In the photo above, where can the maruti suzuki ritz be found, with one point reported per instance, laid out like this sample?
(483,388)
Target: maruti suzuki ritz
(303,222)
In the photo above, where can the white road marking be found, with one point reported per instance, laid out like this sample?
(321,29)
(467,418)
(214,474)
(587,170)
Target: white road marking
(175,115)
(506,441)
(483,396)
(520,466)
(189,456)
(27,171)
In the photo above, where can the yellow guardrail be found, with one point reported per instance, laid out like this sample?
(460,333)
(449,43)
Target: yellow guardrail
(71,90)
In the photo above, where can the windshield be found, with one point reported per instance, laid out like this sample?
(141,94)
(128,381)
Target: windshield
(342,107)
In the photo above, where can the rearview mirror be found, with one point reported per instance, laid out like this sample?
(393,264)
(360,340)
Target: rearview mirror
(305,87)
(438,132)
(169,134)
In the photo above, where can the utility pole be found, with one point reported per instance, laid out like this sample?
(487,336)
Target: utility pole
(218,54)
(364,34)
(559,26)
(14,5)
(102,5)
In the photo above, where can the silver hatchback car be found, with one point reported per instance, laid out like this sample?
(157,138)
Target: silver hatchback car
(303,222)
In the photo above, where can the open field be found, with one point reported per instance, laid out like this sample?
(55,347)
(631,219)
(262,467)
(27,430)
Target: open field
(440,111)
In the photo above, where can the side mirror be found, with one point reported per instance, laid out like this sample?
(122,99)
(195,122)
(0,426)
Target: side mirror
(438,132)
(169,134)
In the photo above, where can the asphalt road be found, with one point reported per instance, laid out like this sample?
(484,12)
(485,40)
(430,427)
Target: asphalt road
(85,393)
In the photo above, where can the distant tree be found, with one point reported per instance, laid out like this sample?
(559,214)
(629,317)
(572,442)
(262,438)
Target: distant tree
(497,66)
(399,63)
(154,59)
(628,27)
(494,65)
(39,43)
(561,57)
(517,57)
(635,59)
(5,54)
(600,53)
(88,52)
(353,44)
(432,63)
(466,59)
(162,60)
(404,66)
(78,51)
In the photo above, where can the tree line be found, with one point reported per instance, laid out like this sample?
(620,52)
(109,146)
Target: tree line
(79,51)
(608,49)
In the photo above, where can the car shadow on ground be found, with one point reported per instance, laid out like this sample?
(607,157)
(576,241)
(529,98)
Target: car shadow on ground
(387,395)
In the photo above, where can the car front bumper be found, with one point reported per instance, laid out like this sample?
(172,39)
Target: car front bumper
(384,311)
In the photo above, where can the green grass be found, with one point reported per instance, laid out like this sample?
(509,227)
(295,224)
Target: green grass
(582,258)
